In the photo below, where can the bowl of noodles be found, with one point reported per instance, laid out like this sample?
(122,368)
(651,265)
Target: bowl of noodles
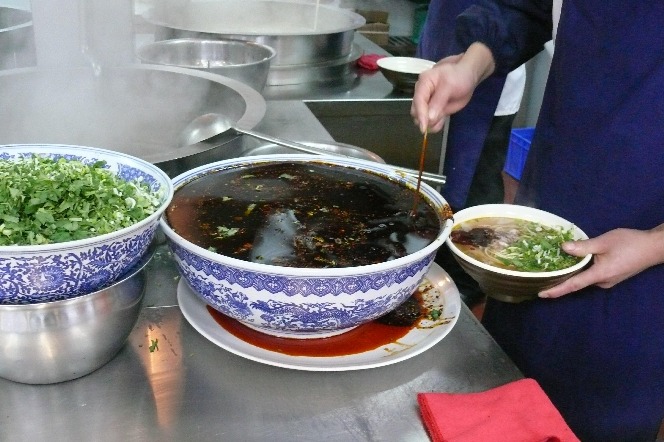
(512,251)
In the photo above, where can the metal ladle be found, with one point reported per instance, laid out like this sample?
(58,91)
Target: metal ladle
(208,125)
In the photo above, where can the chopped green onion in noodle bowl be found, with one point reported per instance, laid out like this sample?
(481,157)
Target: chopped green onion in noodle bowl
(536,248)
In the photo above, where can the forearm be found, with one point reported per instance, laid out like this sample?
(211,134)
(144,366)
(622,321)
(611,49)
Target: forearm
(478,61)
(656,249)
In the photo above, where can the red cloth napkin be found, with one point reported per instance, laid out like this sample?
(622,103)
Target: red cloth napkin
(516,412)
(369,61)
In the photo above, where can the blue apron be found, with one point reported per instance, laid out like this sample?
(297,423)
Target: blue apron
(597,159)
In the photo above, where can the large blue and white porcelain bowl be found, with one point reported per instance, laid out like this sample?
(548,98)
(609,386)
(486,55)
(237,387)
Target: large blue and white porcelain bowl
(304,302)
(41,273)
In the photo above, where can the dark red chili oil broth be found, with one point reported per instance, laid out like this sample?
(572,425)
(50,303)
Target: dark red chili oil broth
(296,214)
(365,337)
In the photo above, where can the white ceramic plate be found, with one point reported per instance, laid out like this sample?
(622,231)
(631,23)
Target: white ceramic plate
(444,295)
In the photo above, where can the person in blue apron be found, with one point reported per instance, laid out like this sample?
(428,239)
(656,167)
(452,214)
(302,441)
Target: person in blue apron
(478,135)
(596,342)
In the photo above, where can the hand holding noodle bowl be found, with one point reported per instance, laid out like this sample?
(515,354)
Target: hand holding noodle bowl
(512,251)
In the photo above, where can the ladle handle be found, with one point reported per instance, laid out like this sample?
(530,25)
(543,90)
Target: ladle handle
(426,176)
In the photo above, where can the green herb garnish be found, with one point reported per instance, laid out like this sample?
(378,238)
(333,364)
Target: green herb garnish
(537,249)
(154,345)
(225,232)
(45,201)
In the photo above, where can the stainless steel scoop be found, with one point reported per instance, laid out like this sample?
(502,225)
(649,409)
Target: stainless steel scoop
(211,124)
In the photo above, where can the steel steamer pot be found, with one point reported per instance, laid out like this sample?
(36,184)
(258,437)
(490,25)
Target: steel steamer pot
(306,36)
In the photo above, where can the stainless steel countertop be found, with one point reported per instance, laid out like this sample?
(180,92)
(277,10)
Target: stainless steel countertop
(192,390)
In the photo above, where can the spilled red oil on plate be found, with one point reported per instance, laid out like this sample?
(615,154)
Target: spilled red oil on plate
(367,346)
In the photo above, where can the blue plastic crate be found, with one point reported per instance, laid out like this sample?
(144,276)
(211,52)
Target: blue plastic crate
(517,152)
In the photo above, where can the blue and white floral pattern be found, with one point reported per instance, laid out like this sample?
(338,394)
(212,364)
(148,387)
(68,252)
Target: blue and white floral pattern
(66,274)
(30,274)
(298,303)
(304,286)
(129,173)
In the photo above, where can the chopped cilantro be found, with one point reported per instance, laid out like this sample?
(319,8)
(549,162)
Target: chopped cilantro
(538,249)
(44,200)
(154,345)
(225,232)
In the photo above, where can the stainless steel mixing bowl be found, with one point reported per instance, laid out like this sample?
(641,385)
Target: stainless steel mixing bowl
(63,340)
(245,61)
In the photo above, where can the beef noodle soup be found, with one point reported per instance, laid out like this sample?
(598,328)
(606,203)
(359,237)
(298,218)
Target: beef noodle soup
(514,244)
(302,215)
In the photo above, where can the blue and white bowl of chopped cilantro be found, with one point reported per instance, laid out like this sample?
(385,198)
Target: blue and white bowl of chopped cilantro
(73,218)
(513,251)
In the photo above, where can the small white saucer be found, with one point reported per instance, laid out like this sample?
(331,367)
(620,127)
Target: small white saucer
(444,296)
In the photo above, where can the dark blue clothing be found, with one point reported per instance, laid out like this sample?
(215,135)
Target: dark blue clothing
(468,128)
(597,159)
(476,140)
